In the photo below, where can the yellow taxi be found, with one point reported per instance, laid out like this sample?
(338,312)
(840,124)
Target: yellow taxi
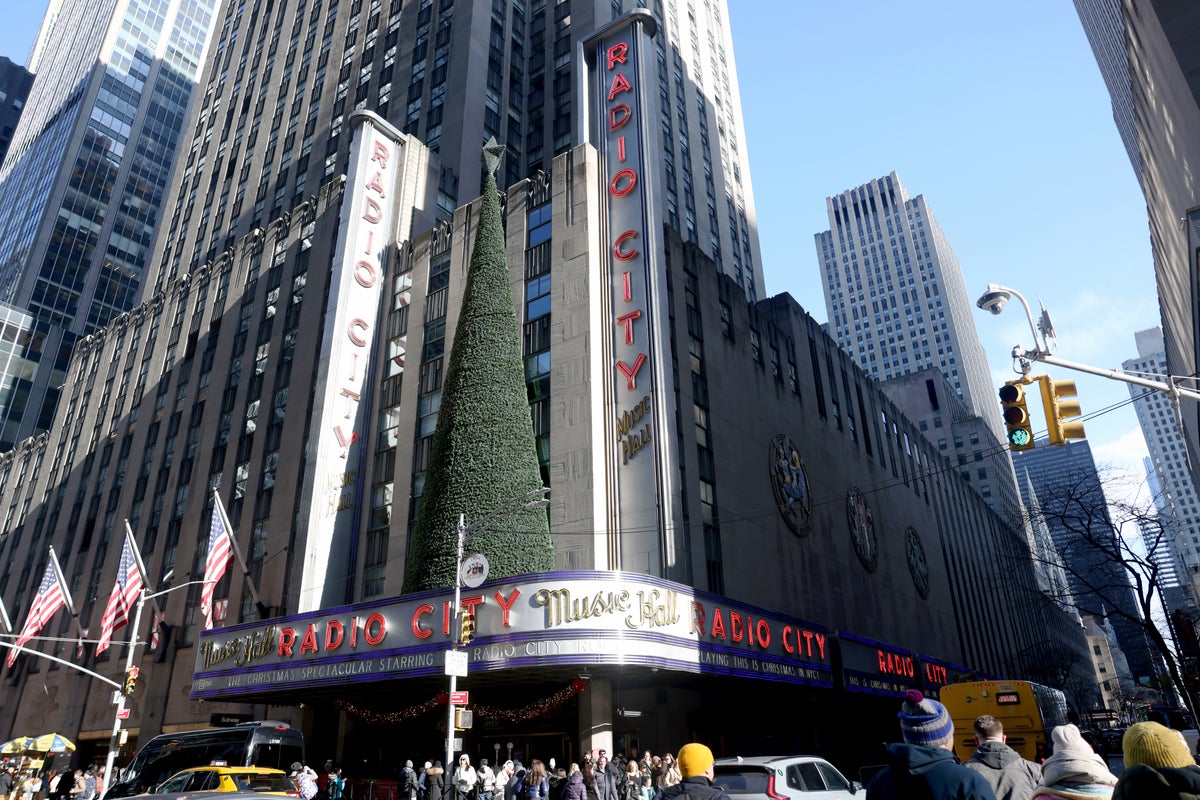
(219,777)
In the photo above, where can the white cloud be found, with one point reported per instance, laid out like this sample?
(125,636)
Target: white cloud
(1120,464)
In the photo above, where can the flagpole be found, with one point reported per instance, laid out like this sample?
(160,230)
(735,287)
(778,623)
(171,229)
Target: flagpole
(237,552)
(8,628)
(119,715)
(70,604)
(141,565)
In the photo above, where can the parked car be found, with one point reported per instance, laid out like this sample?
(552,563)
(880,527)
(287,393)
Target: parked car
(781,778)
(222,778)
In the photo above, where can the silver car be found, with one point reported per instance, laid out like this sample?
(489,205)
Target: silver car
(781,778)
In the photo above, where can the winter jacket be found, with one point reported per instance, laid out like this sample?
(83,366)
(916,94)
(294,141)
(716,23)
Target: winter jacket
(696,787)
(606,785)
(435,783)
(575,790)
(915,772)
(1141,782)
(1010,776)
(535,791)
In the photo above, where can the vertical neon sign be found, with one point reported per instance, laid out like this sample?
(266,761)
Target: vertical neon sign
(642,470)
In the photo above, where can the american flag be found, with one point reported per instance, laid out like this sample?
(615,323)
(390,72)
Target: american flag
(155,635)
(124,595)
(220,553)
(49,599)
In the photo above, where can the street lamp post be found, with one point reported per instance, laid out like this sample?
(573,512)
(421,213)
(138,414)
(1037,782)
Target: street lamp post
(129,650)
(530,500)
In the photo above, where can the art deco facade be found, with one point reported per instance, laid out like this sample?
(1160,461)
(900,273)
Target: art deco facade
(271,124)
(807,495)
(85,175)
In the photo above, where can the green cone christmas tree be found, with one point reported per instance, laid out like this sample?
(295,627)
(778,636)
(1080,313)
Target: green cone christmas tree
(484,453)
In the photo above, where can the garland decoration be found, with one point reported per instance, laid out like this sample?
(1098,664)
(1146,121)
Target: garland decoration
(532,710)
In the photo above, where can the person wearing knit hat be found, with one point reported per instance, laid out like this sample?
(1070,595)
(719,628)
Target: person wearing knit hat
(1074,771)
(1157,765)
(695,762)
(923,766)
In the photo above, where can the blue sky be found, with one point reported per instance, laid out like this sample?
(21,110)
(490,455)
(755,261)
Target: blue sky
(995,112)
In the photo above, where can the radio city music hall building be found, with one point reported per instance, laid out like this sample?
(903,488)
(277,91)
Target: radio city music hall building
(745,526)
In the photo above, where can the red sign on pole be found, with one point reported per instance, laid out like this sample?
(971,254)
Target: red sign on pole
(123,713)
(459,698)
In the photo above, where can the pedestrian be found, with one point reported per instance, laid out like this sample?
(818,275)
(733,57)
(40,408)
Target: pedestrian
(487,780)
(410,789)
(1010,776)
(535,786)
(558,781)
(574,788)
(1074,770)
(923,766)
(420,780)
(606,779)
(7,781)
(1158,765)
(670,775)
(305,780)
(648,789)
(464,778)
(631,787)
(696,768)
(435,782)
(512,789)
(337,783)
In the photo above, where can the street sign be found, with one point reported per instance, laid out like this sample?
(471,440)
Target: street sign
(456,663)
(457,743)
(474,570)
(459,698)
(123,713)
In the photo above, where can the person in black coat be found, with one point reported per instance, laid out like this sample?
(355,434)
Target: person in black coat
(696,765)
(435,782)
(1158,765)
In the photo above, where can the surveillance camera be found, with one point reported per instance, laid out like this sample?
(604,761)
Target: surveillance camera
(993,302)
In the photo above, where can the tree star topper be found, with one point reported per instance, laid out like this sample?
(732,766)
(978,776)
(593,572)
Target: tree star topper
(493,151)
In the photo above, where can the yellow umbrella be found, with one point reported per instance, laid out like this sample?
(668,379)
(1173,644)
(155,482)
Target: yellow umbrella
(52,743)
(18,745)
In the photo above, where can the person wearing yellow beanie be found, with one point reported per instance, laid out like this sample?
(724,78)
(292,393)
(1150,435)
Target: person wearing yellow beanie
(1157,765)
(695,763)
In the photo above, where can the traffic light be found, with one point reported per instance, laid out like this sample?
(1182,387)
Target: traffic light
(1016,415)
(131,676)
(1060,411)
(468,628)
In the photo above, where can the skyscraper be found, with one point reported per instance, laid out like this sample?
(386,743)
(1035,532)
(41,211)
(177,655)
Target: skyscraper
(15,81)
(1175,498)
(1147,54)
(84,178)
(895,293)
(1070,500)
(271,122)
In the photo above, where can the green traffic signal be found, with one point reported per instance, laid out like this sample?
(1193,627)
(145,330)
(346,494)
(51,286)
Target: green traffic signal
(1016,415)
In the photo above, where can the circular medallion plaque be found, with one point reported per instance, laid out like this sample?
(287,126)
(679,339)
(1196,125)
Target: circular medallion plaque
(789,480)
(917,564)
(862,528)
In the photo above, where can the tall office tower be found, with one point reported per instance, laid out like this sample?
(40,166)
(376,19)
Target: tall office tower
(283,78)
(15,81)
(1152,51)
(895,293)
(85,175)
(1071,500)
(1106,34)
(1176,498)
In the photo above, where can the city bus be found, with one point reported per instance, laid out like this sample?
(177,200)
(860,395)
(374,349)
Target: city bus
(1028,711)
(250,744)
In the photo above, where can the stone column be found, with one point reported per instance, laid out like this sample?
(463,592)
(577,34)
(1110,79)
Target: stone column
(595,717)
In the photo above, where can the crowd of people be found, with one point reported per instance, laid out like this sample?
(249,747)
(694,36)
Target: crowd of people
(32,784)
(595,777)
(1158,763)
